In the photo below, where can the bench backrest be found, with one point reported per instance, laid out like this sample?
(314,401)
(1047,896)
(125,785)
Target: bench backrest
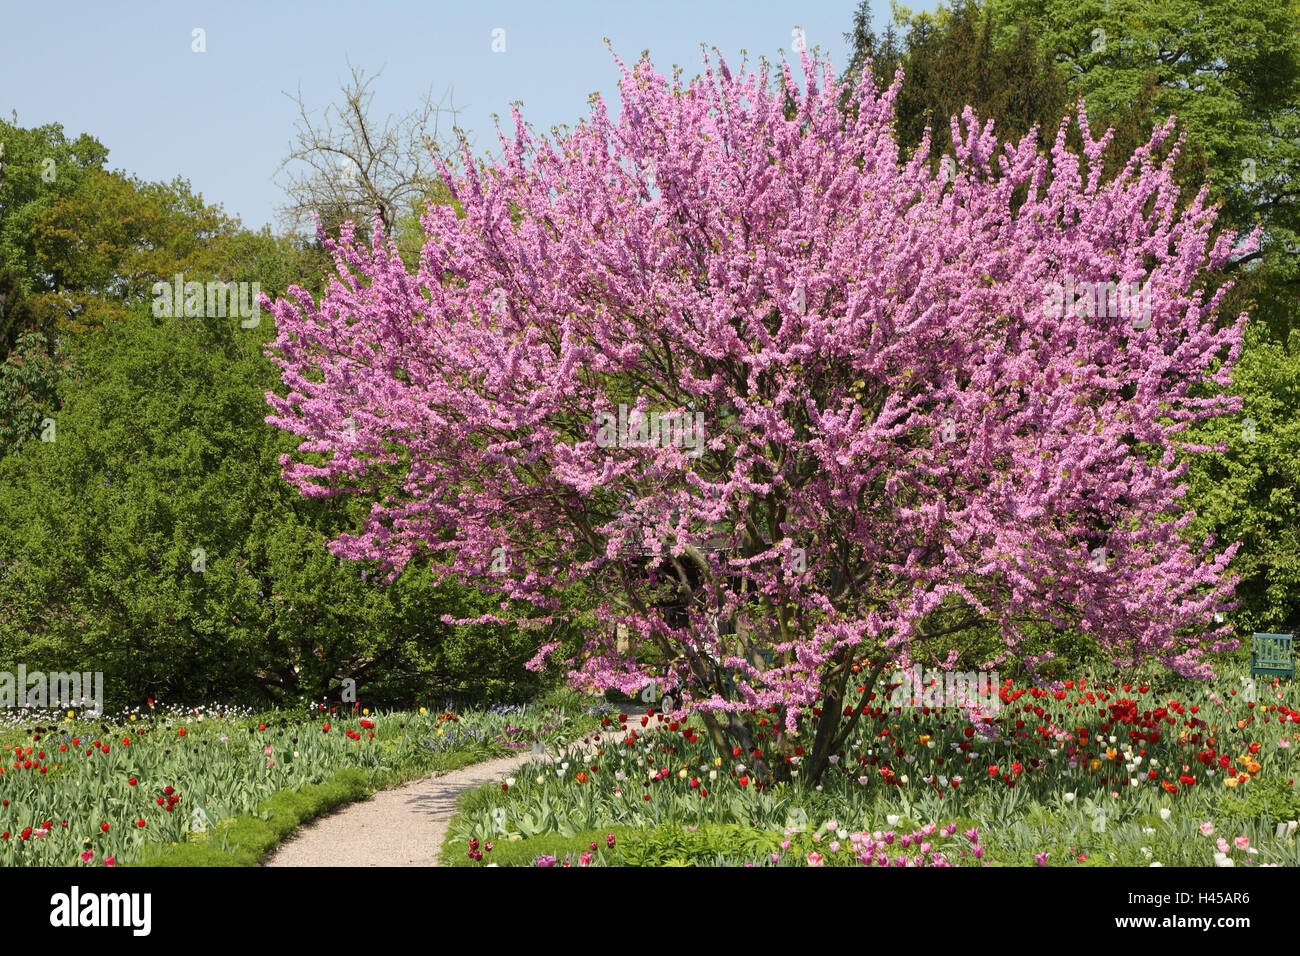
(1273,648)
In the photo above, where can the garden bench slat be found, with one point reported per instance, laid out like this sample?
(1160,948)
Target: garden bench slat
(1272,654)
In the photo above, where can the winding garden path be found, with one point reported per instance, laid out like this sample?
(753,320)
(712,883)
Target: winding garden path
(404,826)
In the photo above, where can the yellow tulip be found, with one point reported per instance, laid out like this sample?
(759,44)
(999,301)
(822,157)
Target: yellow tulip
(423,711)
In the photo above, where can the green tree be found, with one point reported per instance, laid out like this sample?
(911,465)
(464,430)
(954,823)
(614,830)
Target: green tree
(29,375)
(155,540)
(1230,71)
(950,60)
(38,167)
(16,313)
(1251,491)
(29,393)
(102,247)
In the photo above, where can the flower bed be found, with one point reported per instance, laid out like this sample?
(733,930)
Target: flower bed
(1081,773)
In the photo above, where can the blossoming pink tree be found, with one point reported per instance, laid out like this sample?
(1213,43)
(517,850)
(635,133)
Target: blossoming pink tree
(898,435)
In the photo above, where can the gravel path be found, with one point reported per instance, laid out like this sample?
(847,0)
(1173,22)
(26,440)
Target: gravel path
(404,826)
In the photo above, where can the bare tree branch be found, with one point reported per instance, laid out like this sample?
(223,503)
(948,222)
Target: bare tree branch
(346,165)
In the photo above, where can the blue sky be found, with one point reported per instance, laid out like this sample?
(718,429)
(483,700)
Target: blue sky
(126,74)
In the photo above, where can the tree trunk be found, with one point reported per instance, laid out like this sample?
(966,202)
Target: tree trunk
(827,726)
(830,737)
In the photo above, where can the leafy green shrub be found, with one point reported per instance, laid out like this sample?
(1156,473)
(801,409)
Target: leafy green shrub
(164,549)
(1266,799)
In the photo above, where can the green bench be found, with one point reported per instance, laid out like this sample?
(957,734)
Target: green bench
(1271,655)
